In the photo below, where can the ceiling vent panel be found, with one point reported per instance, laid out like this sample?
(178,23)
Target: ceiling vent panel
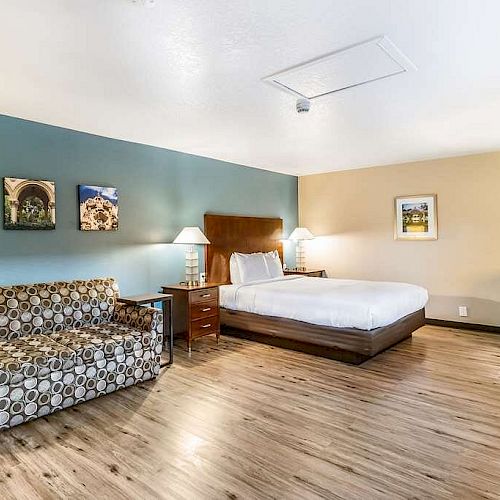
(355,65)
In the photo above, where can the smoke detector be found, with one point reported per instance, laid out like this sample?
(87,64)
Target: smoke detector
(148,4)
(353,66)
(303,105)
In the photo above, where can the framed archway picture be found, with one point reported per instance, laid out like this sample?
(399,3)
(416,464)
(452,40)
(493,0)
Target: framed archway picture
(416,217)
(29,204)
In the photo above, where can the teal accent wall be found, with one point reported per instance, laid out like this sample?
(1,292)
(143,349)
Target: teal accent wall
(160,192)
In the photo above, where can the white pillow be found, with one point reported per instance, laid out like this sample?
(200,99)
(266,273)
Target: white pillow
(274,265)
(252,267)
(234,270)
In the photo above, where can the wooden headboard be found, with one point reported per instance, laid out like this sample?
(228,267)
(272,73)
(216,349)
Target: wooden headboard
(230,233)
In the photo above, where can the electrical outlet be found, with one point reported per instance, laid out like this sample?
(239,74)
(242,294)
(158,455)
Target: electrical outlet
(462,311)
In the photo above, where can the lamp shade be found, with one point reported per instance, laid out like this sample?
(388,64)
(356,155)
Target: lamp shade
(301,233)
(191,236)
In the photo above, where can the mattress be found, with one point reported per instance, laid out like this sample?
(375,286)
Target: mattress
(328,302)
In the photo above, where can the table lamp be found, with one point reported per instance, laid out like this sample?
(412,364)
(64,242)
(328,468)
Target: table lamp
(191,236)
(300,234)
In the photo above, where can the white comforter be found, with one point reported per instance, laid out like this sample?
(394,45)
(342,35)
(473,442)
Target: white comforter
(329,302)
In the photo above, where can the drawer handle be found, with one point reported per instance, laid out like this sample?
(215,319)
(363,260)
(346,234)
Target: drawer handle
(206,309)
(206,326)
(206,295)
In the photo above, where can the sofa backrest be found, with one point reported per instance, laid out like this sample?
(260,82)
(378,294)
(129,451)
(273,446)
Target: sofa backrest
(48,307)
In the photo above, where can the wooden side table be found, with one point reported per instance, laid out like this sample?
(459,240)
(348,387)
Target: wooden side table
(314,273)
(140,300)
(196,310)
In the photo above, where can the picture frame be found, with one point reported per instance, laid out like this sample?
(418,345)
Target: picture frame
(29,204)
(98,208)
(415,217)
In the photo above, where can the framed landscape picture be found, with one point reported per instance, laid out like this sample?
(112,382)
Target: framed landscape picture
(98,208)
(29,204)
(416,217)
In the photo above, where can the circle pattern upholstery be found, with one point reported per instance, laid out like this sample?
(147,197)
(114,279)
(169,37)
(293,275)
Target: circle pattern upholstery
(34,309)
(67,342)
(49,391)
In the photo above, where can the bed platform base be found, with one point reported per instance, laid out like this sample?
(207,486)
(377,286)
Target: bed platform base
(349,345)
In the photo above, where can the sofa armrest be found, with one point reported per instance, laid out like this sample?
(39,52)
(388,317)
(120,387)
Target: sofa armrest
(142,318)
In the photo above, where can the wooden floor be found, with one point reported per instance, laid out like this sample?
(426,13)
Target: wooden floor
(245,420)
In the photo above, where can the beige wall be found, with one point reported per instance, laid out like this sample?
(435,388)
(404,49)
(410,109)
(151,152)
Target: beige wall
(352,212)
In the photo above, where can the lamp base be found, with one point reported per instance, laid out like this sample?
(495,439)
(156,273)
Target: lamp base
(192,276)
(300,256)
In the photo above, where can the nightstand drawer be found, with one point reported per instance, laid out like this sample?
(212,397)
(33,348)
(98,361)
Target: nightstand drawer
(205,326)
(204,309)
(209,294)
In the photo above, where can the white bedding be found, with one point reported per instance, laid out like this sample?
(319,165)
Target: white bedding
(323,301)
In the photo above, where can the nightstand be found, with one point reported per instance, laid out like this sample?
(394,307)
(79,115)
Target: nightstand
(313,273)
(196,310)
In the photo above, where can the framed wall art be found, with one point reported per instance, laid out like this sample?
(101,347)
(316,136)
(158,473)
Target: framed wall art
(416,217)
(29,204)
(98,208)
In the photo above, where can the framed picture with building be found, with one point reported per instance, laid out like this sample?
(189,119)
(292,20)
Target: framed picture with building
(98,208)
(29,204)
(415,217)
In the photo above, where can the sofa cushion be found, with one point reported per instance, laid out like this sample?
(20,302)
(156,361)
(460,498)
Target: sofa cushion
(30,357)
(30,309)
(107,340)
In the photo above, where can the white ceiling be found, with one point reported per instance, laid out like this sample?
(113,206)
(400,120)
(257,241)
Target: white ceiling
(186,75)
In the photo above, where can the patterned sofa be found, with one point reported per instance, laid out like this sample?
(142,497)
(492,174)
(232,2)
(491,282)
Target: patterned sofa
(67,342)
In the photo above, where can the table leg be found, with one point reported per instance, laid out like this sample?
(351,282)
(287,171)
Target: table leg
(170,330)
(168,333)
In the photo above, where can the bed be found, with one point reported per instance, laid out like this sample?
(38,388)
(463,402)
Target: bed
(347,320)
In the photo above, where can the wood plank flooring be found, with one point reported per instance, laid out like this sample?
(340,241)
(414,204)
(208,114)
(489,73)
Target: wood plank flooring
(246,420)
